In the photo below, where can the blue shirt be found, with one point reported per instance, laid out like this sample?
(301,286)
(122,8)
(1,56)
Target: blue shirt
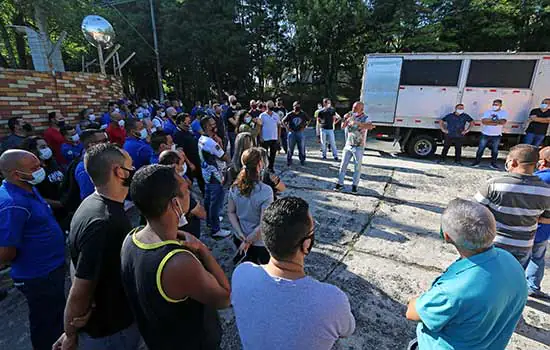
(169,127)
(83,180)
(70,151)
(27,223)
(139,150)
(196,128)
(456,123)
(543,230)
(106,118)
(475,304)
(154,159)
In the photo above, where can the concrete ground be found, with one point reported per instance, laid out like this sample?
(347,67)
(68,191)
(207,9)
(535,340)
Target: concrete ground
(381,246)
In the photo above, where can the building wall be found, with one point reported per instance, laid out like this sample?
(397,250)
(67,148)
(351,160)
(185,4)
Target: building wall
(33,95)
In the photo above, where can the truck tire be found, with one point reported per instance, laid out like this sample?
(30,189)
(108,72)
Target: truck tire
(421,146)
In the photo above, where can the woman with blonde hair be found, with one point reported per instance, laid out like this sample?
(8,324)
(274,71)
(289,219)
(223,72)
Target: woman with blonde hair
(248,198)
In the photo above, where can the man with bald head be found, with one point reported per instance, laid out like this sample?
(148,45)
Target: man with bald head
(535,269)
(356,125)
(169,126)
(33,243)
(519,201)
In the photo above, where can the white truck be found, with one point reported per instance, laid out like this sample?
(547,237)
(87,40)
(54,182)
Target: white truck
(406,95)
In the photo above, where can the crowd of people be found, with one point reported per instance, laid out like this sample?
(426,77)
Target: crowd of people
(116,195)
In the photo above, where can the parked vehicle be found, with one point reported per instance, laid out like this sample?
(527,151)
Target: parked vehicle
(406,95)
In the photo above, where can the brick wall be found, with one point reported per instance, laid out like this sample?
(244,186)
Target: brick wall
(33,95)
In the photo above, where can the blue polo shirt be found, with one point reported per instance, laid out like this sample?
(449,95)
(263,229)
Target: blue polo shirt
(139,150)
(456,123)
(543,230)
(83,180)
(27,223)
(475,304)
(169,127)
(70,151)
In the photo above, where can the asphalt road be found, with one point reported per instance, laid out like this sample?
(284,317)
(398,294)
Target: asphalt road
(381,246)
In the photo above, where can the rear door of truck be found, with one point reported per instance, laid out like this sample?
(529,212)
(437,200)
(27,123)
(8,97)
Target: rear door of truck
(380,88)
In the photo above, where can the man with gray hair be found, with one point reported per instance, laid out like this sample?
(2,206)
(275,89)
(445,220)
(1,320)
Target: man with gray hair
(477,302)
(169,125)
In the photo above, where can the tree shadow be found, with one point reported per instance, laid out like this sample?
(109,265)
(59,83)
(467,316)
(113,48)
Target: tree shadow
(539,335)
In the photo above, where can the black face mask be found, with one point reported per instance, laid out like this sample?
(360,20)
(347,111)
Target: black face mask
(61,123)
(127,181)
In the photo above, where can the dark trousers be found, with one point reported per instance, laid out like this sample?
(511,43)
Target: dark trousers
(272,148)
(197,175)
(231,136)
(284,139)
(46,299)
(214,200)
(257,255)
(483,142)
(457,142)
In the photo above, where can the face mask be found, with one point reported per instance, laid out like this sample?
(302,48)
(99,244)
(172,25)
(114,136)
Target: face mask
(184,171)
(121,123)
(310,245)
(182,220)
(247,119)
(117,110)
(507,166)
(543,106)
(153,130)
(128,180)
(61,123)
(91,117)
(163,114)
(144,105)
(140,115)
(143,134)
(459,111)
(496,108)
(173,147)
(297,109)
(45,153)
(75,138)
(37,176)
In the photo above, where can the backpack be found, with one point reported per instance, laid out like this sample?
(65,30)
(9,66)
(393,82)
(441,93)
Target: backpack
(70,192)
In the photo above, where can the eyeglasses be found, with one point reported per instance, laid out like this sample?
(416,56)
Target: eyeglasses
(310,233)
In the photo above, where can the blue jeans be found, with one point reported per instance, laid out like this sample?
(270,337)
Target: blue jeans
(231,136)
(328,134)
(535,269)
(46,299)
(483,142)
(534,139)
(214,199)
(126,339)
(357,154)
(296,138)
(522,255)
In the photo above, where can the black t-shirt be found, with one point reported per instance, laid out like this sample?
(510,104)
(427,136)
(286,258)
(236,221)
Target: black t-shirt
(193,223)
(188,142)
(255,113)
(326,118)
(230,113)
(98,229)
(281,111)
(296,121)
(221,126)
(538,128)
(50,188)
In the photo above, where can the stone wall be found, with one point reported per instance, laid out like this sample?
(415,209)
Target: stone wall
(33,95)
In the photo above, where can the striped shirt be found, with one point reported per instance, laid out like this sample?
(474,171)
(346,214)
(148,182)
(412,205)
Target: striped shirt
(517,201)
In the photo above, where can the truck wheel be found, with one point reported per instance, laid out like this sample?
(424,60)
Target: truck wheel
(421,146)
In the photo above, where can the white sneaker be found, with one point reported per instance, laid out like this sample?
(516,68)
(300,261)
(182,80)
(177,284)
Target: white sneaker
(222,234)
(221,218)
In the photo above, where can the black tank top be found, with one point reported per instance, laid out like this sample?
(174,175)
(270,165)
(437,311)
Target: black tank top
(164,323)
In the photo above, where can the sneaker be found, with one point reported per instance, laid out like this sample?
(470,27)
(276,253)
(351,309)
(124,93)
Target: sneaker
(494,166)
(338,187)
(336,159)
(353,189)
(475,165)
(220,218)
(324,157)
(538,294)
(222,234)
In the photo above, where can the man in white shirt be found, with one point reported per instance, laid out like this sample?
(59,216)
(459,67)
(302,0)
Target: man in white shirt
(491,131)
(276,305)
(213,160)
(270,132)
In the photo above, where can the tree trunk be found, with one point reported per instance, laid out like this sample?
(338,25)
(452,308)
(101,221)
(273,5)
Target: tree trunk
(20,43)
(11,62)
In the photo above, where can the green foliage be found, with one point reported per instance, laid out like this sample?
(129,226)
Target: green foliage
(261,48)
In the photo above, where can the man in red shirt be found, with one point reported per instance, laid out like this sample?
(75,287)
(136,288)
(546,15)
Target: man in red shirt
(115,130)
(53,136)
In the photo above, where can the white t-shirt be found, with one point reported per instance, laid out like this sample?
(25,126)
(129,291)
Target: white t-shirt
(270,125)
(493,130)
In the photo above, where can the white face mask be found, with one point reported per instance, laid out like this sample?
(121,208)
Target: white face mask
(459,111)
(45,153)
(543,106)
(37,176)
(163,114)
(173,147)
(143,134)
(75,138)
(140,115)
(182,220)
(247,119)
(496,108)
(121,123)
(117,110)
(184,171)
(153,130)
(91,117)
